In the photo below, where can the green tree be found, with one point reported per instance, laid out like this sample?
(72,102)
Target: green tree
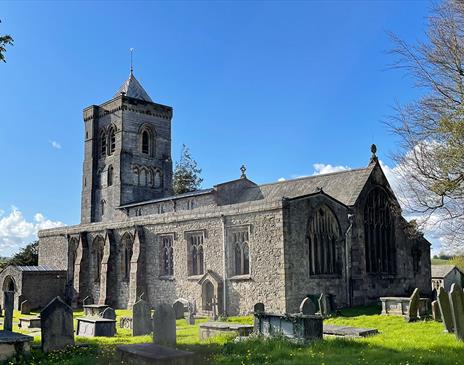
(5,40)
(187,174)
(28,256)
(431,128)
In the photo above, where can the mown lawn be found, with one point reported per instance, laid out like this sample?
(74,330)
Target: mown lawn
(398,343)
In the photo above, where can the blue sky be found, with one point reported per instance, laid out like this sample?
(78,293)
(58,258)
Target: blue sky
(279,86)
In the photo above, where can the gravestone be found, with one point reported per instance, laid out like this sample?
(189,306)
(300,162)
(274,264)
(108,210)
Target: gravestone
(56,321)
(307,307)
(324,305)
(108,313)
(25,307)
(445,309)
(8,301)
(257,308)
(141,318)
(214,307)
(436,311)
(413,308)
(87,300)
(190,315)
(457,309)
(179,309)
(434,294)
(164,325)
(1,312)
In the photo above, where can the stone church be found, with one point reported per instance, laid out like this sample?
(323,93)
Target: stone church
(234,244)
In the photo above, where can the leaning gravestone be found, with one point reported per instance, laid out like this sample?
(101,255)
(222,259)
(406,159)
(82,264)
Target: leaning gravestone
(457,309)
(413,308)
(179,309)
(436,311)
(445,309)
(307,307)
(164,325)
(141,318)
(87,300)
(25,307)
(8,301)
(56,321)
(108,313)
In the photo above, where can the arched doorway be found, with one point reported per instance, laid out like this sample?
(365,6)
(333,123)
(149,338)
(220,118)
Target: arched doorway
(207,295)
(9,284)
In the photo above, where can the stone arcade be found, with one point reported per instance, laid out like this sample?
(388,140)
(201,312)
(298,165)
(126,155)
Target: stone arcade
(229,246)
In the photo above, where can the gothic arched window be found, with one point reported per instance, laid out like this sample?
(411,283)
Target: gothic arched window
(112,140)
(97,255)
(379,233)
(110,175)
(241,252)
(157,179)
(323,237)
(196,258)
(126,255)
(103,144)
(167,255)
(146,140)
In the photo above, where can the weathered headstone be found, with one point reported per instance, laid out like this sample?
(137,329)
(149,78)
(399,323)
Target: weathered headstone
(457,309)
(445,309)
(8,301)
(87,300)
(413,308)
(164,325)
(141,318)
(25,307)
(324,305)
(307,307)
(434,294)
(57,325)
(436,311)
(108,313)
(257,308)
(1,312)
(179,309)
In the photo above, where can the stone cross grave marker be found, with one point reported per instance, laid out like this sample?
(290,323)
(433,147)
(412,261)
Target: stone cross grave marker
(25,307)
(445,309)
(436,311)
(141,318)
(164,325)
(214,307)
(8,301)
(190,315)
(413,308)
(457,309)
(56,321)
(307,307)
(108,313)
(179,308)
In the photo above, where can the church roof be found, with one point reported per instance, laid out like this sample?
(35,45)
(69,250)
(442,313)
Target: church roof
(132,88)
(440,271)
(344,186)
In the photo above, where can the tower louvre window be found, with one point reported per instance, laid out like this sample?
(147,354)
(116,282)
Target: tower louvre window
(112,140)
(145,142)
(103,144)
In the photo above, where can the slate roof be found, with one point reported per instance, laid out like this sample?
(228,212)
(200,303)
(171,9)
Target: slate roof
(344,186)
(132,88)
(440,271)
(37,268)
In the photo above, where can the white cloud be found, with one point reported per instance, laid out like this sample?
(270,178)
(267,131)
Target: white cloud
(321,168)
(16,231)
(55,145)
(281,179)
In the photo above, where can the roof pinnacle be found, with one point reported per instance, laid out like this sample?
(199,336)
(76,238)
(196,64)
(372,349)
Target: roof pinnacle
(374,158)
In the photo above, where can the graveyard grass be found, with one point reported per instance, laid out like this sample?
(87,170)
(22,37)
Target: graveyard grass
(399,342)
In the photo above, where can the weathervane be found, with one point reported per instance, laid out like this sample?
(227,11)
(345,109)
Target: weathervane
(243,170)
(131,50)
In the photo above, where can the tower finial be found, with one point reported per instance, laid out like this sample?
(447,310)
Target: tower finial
(131,50)
(374,158)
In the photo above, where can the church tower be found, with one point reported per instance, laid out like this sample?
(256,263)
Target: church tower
(127,153)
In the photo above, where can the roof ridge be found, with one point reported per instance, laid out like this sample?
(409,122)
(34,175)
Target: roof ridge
(314,176)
